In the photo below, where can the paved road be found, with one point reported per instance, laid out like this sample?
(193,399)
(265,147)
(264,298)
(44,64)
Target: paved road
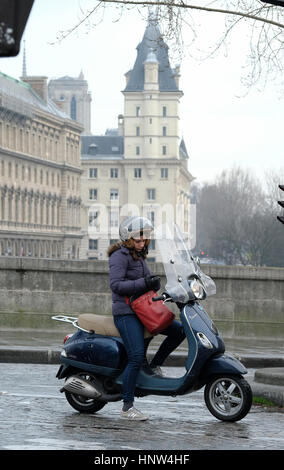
(35,416)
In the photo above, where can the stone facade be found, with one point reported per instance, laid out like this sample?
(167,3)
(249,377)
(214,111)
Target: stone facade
(142,168)
(40,199)
(71,94)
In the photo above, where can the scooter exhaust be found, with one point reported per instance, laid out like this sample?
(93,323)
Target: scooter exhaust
(78,386)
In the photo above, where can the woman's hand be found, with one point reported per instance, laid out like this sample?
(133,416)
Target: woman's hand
(153,282)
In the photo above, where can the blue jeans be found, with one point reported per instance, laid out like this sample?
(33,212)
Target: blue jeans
(132,333)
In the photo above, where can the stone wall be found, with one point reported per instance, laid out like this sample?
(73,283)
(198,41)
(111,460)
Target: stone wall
(249,300)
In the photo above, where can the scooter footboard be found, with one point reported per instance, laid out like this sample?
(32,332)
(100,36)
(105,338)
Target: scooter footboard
(222,364)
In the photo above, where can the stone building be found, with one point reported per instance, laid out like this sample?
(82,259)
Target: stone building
(141,167)
(40,199)
(71,94)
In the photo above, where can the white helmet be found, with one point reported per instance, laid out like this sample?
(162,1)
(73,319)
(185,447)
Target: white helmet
(134,226)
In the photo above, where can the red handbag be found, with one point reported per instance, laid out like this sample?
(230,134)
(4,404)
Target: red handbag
(155,316)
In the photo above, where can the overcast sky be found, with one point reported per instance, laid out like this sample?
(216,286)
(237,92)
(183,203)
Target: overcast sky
(220,129)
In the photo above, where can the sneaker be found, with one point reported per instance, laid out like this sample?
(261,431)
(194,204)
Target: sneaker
(133,414)
(158,371)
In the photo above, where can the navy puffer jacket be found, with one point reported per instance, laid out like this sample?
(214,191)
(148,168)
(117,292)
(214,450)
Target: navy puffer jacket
(126,278)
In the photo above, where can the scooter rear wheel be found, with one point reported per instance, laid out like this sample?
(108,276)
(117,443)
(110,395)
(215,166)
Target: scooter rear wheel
(228,397)
(84,404)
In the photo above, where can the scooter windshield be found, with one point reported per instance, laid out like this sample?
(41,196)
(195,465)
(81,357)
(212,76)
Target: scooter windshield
(179,264)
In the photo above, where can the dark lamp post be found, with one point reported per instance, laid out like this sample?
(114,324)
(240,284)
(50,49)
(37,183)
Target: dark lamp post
(13,18)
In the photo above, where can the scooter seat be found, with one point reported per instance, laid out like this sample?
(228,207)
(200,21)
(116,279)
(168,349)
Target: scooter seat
(101,324)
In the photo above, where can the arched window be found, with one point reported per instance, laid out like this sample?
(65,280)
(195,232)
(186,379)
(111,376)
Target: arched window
(73,108)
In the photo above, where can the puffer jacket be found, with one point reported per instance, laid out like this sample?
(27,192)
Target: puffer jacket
(126,278)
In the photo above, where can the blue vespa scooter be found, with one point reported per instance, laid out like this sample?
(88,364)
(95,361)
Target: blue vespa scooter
(93,359)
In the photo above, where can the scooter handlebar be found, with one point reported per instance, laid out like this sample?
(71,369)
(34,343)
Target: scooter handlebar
(160,297)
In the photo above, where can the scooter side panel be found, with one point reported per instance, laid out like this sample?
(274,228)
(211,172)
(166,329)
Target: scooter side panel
(92,368)
(96,350)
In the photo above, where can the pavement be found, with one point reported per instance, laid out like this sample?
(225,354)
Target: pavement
(35,346)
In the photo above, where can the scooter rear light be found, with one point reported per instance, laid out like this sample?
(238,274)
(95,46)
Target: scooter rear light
(66,338)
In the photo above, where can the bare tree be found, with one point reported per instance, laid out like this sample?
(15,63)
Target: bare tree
(264,28)
(236,220)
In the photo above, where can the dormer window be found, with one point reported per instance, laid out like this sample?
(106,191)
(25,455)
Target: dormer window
(92,149)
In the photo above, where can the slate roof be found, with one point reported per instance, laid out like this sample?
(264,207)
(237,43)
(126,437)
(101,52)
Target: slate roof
(152,40)
(20,97)
(182,150)
(102,147)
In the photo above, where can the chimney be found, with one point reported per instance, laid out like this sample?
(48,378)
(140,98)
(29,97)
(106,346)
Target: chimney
(120,124)
(177,74)
(38,84)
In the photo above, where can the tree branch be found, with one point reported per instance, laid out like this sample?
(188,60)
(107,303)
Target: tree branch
(181,4)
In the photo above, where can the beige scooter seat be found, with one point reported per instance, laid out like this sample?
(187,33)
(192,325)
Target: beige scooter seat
(101,324)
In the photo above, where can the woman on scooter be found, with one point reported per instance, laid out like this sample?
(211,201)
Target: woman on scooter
(130,275)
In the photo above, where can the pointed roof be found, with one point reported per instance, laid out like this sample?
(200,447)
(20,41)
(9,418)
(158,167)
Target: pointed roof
(24,71)
(152,42)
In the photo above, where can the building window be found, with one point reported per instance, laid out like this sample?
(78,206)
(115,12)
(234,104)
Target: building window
(164,173)
(93,244)
(164,150)
(93,172)
(164,130)
(138,173)
(151,216)
(93,194)
(137,150)
(113,194)
(164,111)
(151,194)
(114,172)
(137,131)
(92,149)
(93,218)
(114,218)
(138,110)
(73,110)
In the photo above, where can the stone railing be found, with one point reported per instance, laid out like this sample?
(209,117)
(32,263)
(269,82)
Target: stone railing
(249,300)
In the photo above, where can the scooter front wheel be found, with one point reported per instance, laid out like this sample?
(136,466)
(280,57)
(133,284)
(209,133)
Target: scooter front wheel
(228,397)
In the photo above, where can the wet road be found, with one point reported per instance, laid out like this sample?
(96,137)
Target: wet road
(36,416)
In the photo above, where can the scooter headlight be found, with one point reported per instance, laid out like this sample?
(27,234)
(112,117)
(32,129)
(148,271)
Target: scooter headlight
(197,289)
